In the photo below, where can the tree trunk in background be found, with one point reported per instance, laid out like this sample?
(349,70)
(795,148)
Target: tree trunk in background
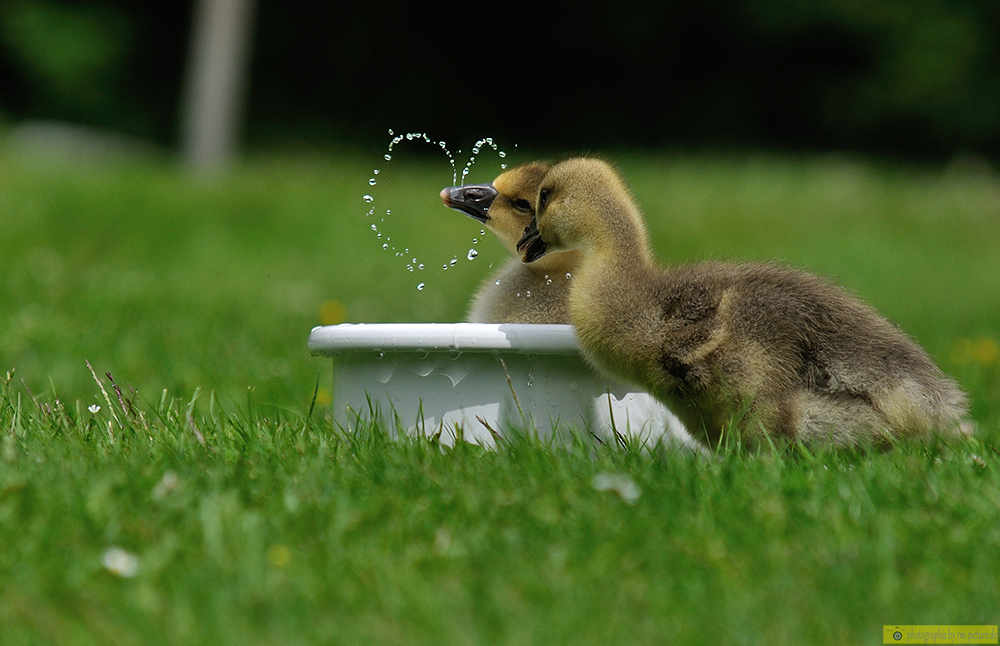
(215,87)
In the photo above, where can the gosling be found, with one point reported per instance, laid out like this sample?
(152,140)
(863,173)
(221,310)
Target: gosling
(518,293)
(754,352)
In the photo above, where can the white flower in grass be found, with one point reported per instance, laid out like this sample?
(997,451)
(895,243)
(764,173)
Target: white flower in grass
(166,486)
(618,483)
(94,408)
(120,562)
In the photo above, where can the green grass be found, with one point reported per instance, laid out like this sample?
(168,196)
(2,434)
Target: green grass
(256,522)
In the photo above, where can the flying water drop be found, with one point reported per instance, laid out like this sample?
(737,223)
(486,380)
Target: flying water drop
(420,287)
(375,179)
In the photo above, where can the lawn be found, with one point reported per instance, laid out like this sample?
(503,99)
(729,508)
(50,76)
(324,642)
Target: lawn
(212,501)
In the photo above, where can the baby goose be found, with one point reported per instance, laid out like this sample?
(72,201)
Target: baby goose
(518,293)
(767,351)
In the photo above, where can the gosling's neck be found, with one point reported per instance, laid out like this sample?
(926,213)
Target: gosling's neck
(617,247)
(616,269)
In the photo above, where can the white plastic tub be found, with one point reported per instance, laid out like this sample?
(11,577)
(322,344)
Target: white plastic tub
(474,380)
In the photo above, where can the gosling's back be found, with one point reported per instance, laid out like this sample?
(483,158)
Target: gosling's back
(757,349)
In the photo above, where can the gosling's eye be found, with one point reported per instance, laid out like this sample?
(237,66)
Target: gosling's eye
(524,206)
(543,197)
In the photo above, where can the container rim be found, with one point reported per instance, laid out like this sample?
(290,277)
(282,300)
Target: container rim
(524,338)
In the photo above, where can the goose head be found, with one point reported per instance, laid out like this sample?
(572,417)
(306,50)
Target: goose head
(582,203)
(505,206)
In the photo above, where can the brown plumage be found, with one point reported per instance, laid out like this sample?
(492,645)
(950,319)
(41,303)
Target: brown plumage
(758,350)
(518,293)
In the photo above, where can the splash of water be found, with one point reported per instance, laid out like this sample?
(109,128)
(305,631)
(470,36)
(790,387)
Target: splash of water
(458,177)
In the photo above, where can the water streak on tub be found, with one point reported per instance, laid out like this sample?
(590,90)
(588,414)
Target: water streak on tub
(455,373)
(384,371)
(423,367)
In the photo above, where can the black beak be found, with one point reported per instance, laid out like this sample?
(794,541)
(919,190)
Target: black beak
(531,246)
(474,200)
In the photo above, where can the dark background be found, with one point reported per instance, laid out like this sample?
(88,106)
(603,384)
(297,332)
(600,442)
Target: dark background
(907,78)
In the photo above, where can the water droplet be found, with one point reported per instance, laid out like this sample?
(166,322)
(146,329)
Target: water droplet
(385,246)
(453,261)
(420,287)
(371,181)
(502,154)
(568,275)
(376,172)
(475,241)
(519,295)
(409,268)
(388,211)
(527,294)
(374,228)
(503,166)
(379,354)
(387,157)
(368,198)
(391,133)
(420,266)
(548,281)
(473,254)
(482,232)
